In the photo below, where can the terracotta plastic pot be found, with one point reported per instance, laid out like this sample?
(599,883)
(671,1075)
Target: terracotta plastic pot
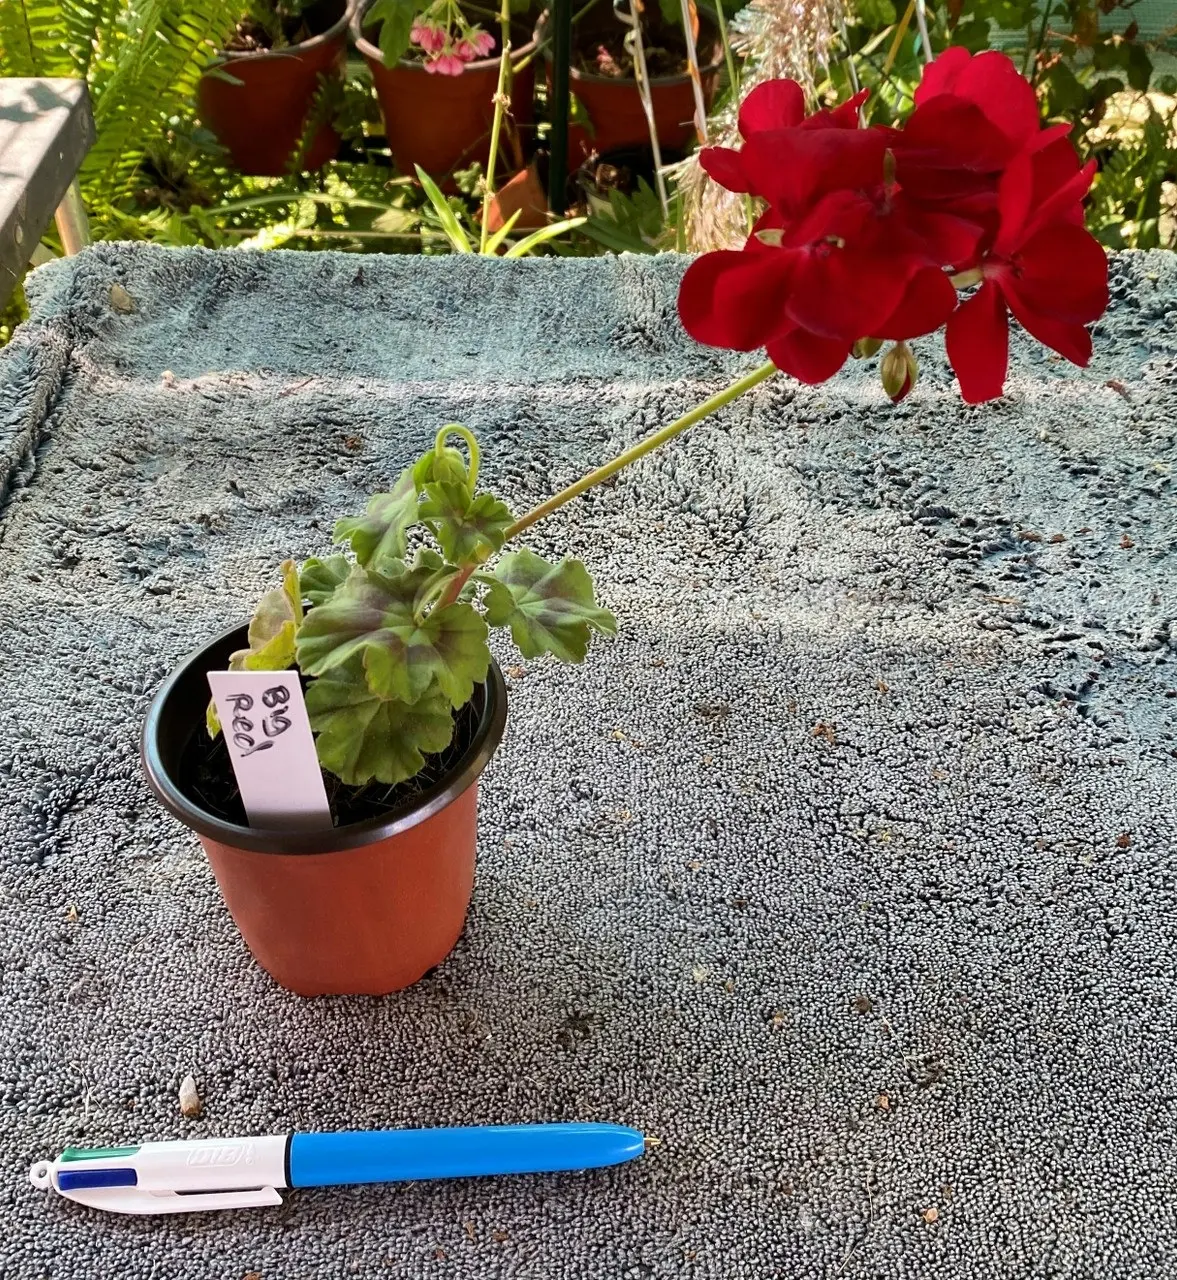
(615,109)
(362,909)
(262,119)
(440,122)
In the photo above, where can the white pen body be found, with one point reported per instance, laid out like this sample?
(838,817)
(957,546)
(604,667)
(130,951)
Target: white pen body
(171,1177)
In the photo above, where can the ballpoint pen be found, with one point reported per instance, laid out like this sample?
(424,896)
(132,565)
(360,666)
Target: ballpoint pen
(239,1173)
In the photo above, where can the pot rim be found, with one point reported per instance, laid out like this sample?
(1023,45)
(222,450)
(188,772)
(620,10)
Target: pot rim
(373,54)
(339,26)
(574,73)
(353,835)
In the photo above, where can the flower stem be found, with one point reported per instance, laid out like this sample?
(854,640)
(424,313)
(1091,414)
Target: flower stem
(643,447)
(497,124)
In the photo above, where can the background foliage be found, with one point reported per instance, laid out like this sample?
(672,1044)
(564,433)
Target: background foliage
(156,174)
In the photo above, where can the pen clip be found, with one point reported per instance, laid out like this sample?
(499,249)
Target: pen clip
(136,1200)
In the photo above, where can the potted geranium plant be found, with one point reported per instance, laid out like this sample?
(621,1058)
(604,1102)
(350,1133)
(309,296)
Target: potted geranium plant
(259,94)
(436,70)
(866,236)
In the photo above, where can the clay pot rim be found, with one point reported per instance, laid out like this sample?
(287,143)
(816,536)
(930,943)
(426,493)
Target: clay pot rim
(574,73)
(373,54)
(333,32)
(353,835)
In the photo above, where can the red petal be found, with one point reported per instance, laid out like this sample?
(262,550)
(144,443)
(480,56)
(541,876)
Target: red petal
(725,166)
(793,167)
(950,134)
(775,104)
(928,302)
(1061,272)
(945,239)
(977,339)
(844,294)
(843,116)
(735,299)
(848,277)
(1069,340)
(939,76)
(807,357)
(993,82)
(1040,185)
(1065,203)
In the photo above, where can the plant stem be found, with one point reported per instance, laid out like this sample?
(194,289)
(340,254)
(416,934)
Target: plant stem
(733,77)
(496,127)
(639,450)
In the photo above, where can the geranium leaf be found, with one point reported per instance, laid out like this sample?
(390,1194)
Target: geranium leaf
(272,629)
(448,465)
(466,528)
(319,578)
(378,536)
(549,607)
(373,616)
(361,737)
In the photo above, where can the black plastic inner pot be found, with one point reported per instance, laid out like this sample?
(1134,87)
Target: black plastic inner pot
(177,713)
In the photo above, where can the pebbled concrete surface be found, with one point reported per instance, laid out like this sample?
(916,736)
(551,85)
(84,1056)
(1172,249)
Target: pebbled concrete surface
(846,871)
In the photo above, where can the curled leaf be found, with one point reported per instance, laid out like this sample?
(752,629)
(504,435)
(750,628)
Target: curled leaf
(319,578)
(549,608)
(272,630)
(446,465)
(361,737)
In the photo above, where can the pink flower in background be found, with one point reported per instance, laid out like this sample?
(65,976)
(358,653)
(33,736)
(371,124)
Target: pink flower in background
(427,37)
(446,64)
(464,51)
(484,44)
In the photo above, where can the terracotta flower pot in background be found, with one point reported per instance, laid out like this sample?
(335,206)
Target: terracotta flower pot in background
(363,909)
(442,122)
(261,120)
(615,109)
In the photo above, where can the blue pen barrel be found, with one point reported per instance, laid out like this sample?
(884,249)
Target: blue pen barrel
(400,1155)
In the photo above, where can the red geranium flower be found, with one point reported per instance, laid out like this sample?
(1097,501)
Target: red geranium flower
(1044,266)
(865,229)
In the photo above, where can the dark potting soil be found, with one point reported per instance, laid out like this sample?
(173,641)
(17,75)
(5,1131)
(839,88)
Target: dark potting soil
(603,54)
(206,777)
(280,29)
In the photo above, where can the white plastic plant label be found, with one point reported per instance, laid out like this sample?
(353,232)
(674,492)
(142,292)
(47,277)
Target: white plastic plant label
(264,719)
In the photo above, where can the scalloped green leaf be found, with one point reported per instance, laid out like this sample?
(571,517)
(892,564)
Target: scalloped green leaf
(550,608)
(372,616)
(320,577)
(467,528)
(361,737)
(378,536)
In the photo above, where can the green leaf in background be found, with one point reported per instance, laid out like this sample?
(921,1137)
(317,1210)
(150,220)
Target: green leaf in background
(549,608)
(378,536)
(468,529)
(374,617)
(1139,67)
(361,737)
(459,240)
(1065,92)
(319,578)
(973,35)
(396,22)
(874,13)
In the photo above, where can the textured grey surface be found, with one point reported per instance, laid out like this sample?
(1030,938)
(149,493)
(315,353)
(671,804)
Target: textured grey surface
(873,795)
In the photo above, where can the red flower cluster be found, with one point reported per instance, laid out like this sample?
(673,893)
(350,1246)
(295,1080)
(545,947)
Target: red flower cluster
(868,231)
